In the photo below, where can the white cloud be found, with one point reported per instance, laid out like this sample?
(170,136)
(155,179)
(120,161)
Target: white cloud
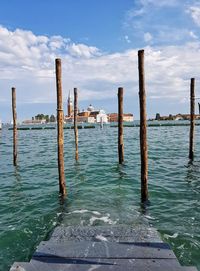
(57,42)
(134,13)
(152,18)
(193,35)
(27,62)
(144,5)
(160,3)
(147,37)
(194,11)
(126,37)
(82,50)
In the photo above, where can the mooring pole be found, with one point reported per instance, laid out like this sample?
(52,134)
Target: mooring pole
(14,112)
(120,126)
(143,129)
(60,137)
(75,121)
(192,118)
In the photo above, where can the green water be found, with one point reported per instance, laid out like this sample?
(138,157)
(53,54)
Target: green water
(99,191)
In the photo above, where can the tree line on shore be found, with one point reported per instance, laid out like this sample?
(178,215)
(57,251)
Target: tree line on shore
(48,118)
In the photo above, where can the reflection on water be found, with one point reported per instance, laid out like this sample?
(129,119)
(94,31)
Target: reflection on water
(99,190)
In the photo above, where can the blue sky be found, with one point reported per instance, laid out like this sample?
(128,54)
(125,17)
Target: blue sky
(98,42)
(94,22)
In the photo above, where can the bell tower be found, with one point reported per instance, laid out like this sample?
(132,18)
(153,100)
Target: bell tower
(69,105)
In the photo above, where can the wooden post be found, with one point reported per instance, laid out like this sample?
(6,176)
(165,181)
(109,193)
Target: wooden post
(120,126)
(60,137)
(192,118)
(14,127)
(143,129)
(75,121)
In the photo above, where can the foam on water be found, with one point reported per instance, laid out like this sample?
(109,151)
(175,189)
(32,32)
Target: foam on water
(83,212)
(105,219)
(101,237)
(79,212)
(167,236)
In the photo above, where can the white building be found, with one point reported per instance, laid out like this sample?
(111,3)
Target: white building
(89,116)
(101,117)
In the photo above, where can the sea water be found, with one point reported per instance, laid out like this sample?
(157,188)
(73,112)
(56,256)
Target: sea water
(100,192)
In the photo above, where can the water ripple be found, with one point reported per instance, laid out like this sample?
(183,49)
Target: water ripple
(100,192)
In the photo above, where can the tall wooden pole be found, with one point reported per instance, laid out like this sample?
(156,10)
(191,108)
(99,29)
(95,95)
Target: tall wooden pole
(192,118)
(120,126)
(143,129)
(14,112)
(75,121)
(60,137)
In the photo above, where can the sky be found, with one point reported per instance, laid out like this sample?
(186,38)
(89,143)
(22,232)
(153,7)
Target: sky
(98,41)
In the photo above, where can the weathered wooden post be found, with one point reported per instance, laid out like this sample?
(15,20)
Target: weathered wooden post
(75,121)
(192,118)
(14,112)
(60,137)
(143,129)
(120,126)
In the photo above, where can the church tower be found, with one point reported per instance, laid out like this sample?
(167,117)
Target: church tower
(69,105)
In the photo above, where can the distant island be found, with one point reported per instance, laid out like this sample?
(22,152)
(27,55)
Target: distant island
(90,115)
(41,119)
(178,116)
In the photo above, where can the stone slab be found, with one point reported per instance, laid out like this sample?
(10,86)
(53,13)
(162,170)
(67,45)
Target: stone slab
(103,248)
(43,266)
(98,261)
(87,249)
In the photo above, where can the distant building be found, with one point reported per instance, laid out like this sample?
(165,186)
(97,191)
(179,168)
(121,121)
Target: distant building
(84,114)
(90,108)
(98,115)
(113,117)
(101,117)
(86,119)
(90,116)
(80,119)
(43,121)
(157,116)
